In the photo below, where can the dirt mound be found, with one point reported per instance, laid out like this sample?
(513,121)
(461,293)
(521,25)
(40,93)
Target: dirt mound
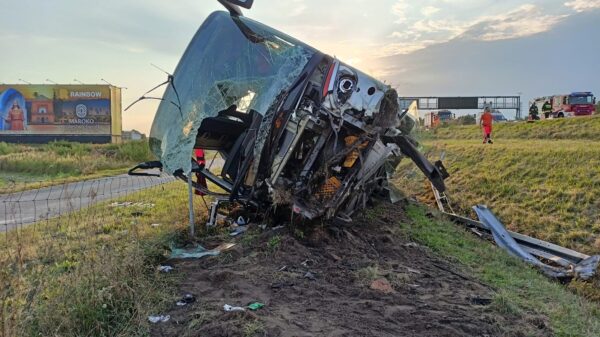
(363,279)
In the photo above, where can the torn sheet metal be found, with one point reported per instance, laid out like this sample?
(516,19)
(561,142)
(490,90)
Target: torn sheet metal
(583,265)
(299,130)
(584,270)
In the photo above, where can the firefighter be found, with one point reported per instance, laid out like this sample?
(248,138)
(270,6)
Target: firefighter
(547,109)
(485,122)
(533,112)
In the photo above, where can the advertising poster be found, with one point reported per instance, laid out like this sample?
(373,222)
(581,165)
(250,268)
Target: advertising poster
(55,110)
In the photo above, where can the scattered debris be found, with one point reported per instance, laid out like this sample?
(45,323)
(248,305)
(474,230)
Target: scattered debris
(186,299)
(241,221)
(382,285)
(414,271)
(238,230)
(155,225)
(255,306)
(308,263)
(159,319)
(199,251)
(478,300)
(310,276)
(131,204)
(165,268)
(335,257)
(279,285)
(229,308)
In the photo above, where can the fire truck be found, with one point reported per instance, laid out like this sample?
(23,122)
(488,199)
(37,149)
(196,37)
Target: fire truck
(570,105)
(435,118)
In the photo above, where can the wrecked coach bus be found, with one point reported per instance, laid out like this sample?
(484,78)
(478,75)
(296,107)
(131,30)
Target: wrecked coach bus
(297,129)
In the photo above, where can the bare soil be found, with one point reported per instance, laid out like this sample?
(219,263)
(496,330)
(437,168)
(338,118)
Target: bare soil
(429,296)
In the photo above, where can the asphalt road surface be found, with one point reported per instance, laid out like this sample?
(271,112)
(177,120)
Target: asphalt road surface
(23,208)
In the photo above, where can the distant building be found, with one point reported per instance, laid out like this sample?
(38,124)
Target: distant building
(42,110)
(133,135)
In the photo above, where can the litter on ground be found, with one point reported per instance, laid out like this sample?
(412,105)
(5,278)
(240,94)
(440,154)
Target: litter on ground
(229,308)
(159,319)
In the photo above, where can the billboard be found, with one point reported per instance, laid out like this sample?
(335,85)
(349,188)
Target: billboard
(60,110)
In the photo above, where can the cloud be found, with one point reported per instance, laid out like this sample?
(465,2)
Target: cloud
(429,10)
(299,8)
(522,21)
(399,9)
(514,24)
(583,5)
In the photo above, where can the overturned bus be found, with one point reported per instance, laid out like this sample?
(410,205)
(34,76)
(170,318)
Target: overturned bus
(297,129)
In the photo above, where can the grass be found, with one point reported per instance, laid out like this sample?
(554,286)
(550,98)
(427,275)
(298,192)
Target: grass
(23,166)
(545,188)
(580,128)
(92,272)
(274,243)
(519,289)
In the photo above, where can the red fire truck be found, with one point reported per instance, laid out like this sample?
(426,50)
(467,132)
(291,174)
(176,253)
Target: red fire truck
(435,118)
(571,105)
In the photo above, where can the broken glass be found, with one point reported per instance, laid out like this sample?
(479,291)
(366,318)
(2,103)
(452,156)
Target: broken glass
(230,61)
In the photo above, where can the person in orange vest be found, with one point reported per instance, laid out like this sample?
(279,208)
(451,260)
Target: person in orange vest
(485,123)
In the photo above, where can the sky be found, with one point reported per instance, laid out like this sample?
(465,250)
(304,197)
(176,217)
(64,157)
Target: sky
(421,47)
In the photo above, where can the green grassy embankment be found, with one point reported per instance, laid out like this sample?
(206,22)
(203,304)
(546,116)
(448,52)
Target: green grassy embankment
(580,128)
(23,166)
(541,179)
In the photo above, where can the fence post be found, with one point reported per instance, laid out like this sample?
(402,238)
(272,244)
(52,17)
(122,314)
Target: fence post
(191,206)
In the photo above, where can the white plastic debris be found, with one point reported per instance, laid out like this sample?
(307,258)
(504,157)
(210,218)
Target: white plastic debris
(241,221)
(238,230)
(159,319)
(155,225)
(165,269)
(229,308)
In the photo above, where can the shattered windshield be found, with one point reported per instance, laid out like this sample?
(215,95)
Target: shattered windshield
(229,61)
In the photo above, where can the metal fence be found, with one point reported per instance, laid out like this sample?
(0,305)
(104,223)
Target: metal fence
(50,230)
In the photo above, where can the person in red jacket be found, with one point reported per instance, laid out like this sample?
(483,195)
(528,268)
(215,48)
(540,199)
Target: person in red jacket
(486,121)
(201,162)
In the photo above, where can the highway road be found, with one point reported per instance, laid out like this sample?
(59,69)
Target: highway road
(23,208)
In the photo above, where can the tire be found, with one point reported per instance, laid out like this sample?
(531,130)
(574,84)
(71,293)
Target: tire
(561,115)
